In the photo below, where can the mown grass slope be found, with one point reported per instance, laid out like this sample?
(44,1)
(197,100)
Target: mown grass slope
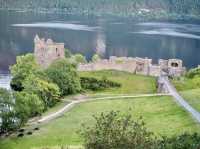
(161,114)
(192,97)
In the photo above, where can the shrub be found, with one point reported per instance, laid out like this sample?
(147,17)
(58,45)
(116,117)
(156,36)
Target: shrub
(67,53)
(96,84)
(116,131)
(78,58)
(7,114)
(64,74)
(193,73)
(184,141)
(48,92)
(27,105)
(113,131)
(96,58)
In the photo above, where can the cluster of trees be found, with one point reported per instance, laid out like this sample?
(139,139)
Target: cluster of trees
(36,89)
(123,7)
(114,130)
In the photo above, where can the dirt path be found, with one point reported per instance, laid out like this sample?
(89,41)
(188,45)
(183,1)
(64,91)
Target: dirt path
(81,99)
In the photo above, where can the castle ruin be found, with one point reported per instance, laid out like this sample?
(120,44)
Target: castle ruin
(47,51)
(143,66)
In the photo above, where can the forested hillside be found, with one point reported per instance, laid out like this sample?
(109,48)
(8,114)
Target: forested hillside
(119,7)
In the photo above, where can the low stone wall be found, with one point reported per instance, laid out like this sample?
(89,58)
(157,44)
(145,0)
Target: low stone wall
(106,65)
(143,66)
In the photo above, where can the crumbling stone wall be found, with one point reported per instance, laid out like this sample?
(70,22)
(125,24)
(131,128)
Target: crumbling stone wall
(143,66)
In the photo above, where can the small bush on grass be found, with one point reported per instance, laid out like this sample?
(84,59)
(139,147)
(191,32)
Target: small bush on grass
(116,131)
(96,84)
(96,58)
(113,131)
(184,141)
(193,73)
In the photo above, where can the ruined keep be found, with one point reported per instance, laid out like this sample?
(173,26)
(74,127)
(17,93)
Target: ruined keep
(47,51)
(143,66)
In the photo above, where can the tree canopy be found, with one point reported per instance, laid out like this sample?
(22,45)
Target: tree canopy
(64,74)
(125,7)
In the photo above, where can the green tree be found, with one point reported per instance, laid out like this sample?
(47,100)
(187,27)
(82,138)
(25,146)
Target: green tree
(114,131)
(79,58)
(24,66)
(48,92)
(7,113)
(27,105)
(64,74)
(96,58)
(67,53)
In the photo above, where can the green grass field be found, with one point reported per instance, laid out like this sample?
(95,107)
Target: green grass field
(193,97)
(161,114)
(189,90)
(183,84)
(131,84)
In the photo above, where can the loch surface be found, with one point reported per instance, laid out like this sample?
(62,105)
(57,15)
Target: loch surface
(105,35)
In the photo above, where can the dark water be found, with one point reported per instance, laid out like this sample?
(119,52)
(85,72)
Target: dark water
(105,35)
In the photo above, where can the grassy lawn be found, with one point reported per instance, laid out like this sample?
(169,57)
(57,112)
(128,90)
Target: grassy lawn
(161,114)
(184,84)
(131,84)
(189,90)
(193,97)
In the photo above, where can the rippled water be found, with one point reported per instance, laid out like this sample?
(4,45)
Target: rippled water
(108,36)
(5,79)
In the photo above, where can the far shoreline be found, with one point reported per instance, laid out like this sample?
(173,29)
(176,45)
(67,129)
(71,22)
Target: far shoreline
(132,16)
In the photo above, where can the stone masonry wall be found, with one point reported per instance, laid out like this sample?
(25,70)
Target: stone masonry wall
(137,65)
(47,51)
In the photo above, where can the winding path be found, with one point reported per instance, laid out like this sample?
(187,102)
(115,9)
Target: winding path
(162,79)
(172,91)
(81,100)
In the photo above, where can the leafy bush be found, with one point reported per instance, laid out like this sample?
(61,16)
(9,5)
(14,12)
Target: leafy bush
(7,114)
(67,53)
(193,73)
(116,131)
(79,58)
(96,84)
(48,92)
(64,74)
(96,58)
(113,131)
(27,105)
(185,141)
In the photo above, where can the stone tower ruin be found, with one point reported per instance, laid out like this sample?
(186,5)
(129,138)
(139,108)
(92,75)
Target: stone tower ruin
(47,51)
